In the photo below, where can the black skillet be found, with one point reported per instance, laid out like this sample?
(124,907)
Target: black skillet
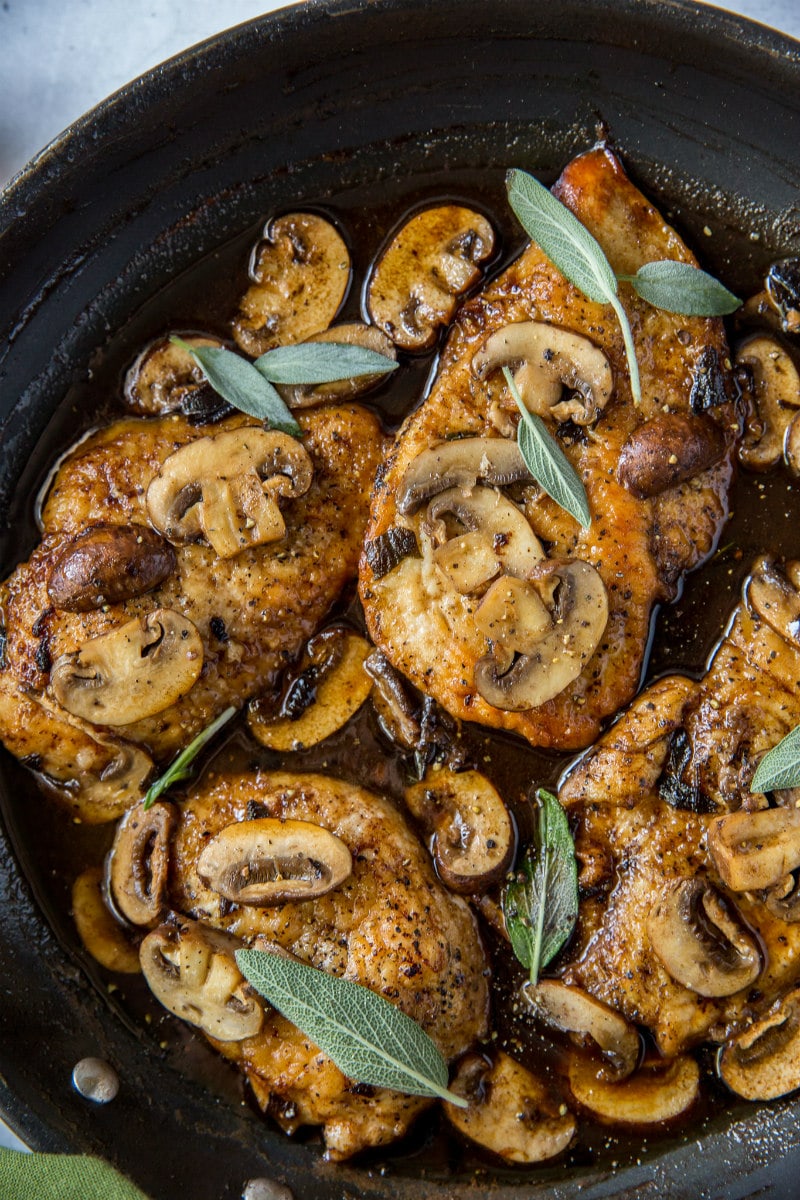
(300,106)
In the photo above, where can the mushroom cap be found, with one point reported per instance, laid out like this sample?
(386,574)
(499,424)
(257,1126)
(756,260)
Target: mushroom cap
(755,850)
(107,564)
(300,273)
(579,605)
(473,836)
(431,261)
(702,941)
(776,396)
(225,488)
(511,1112)
(763,1061)
(660,1090)
(135,671)
(267,861)
(572,1010)
(460,463)
(139,862)
(545,359)
(667,450)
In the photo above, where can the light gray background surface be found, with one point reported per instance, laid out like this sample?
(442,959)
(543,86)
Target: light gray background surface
(58,58)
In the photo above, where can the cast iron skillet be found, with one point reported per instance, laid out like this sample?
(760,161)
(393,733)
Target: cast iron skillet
(289,109)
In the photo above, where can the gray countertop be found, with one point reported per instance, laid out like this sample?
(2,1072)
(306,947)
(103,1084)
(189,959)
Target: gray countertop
(59,59)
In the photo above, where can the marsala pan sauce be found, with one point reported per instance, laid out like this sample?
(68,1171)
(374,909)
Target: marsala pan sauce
(764,518)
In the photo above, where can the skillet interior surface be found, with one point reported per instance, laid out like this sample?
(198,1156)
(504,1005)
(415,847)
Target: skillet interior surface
(329,100)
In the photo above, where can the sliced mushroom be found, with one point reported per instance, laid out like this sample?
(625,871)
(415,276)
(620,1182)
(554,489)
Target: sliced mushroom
(667,450)
(783,288)
(776,397)
(755,850)
(133,672)
(330,689)
(511,1112)
(107,564)
(460,463)
(763,1062)
(427,266)
(192,971)
(513,616)
(545,359)
(571,1010)
(102,936)
(139,862)
(783,899)
(396,708)
(473,838)
(659,1091)
(300,273)
(165,378)
(578,604)
(226,489)
(355,334)
(702,941)
(773,595)
(492,536)
(266,861)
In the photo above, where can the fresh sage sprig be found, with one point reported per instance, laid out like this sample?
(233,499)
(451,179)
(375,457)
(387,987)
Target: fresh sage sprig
(676,287)
(368,1039)
(181,768)
(540,901)
(547,462)
(321,362)
(780,766)
(237,381)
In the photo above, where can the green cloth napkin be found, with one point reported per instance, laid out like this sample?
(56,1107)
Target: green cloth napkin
(61,1177)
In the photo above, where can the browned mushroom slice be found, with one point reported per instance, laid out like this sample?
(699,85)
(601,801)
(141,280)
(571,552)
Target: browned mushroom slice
(578,608)
(478,535)
(300,273)
(330,689)
(574,1011)
(661,1090)
(783,899)
(545,360)
(513,616)
(267,861)
(139,861)
(165,378)
(397,711)
(755,850)
(511,1112)
(773,595)
(702,941)
(427,266)
(108,564)
(192,971)
(340,390)
(460,463)
(473,838)
(783,288)
(763,1062)
(133,672)
(226,489)
(102,936)
(668,450)
(776,397)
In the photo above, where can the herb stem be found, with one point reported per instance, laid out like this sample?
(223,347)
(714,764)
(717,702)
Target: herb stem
(179,768)
(630,349)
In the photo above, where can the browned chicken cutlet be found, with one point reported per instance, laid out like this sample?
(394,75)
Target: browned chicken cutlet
(657,477)
(671,933)
(390,926)
(195,630)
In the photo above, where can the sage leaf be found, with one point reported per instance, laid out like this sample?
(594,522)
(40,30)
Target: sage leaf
(321,362)
(368,1039)
(780,766)
(679,287)
(180,768)
(238,382)
(573,250)
(547,462)
(540,903)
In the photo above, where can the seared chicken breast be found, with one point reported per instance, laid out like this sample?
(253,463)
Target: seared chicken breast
(469,579)
(180,569)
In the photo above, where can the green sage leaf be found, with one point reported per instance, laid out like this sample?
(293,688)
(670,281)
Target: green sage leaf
(368,1038)
(780,766)
(238,382)
(180,768)
(321,362)
(547,462)
(679,287)
(540,902)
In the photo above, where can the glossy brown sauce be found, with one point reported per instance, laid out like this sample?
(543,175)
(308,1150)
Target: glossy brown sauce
(765,516)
